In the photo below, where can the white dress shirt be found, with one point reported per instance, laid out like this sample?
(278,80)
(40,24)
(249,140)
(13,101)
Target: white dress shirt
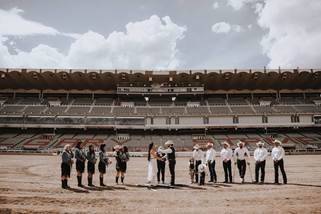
(210,155)
(277,153)
(240,153)
(226,154)
(198,155)
(165,151)
(260,154)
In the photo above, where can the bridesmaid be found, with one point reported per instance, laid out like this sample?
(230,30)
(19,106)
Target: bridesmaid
(103,163)
(91,157)
(66,164)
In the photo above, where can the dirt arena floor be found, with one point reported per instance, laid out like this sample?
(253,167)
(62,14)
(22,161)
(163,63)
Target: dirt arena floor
(30,184)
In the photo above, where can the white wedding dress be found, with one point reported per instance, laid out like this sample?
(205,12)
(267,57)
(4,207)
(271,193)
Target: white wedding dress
(151,170)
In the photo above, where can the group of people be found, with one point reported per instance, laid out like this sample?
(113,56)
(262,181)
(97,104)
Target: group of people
(158,156)
(120,153)
(200,161)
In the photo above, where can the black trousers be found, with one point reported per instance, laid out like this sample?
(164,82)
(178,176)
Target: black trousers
(227,166)
(197,163)
(171,164)
(202,178)
(160,170)
(211,168)
(259,165)
(277,165)
(241,165)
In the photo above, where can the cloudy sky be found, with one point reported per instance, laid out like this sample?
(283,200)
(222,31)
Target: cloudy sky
(160,34)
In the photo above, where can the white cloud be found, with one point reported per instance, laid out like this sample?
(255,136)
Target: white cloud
(224,27)
(148,44)
(238,4)
(294,33)
(11,23)
(215,5)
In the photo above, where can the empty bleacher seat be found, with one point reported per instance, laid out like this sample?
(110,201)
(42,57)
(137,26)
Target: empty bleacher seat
(104,101)
(83,101)
(12,109)
(100,111)
(197,110)
(123,111)
(55,110)
(220,110)
(242,110)
(173,110)
(77,110)
(148,111)
(216,101)
(34,110)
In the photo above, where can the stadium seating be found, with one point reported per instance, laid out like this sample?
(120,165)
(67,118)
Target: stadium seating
(217,110)
(242,110)
(197,110)
(82,101)
(139,142)
(34,110)
(12,109)
(172,111)
(123,111)
(104,101)
(146,111)
(77,110)
(100,111)
(55,110)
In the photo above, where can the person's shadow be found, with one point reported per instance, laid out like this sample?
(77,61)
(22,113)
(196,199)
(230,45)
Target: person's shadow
(77,190)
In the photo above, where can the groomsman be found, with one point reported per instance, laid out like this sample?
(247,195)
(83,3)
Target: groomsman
(260,155)
(277,157)
(226,156)
(198,156)
(240,153)
(210,160)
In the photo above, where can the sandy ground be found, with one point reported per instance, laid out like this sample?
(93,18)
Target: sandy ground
(30,184)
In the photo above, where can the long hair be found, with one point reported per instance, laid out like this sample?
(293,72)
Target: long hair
(78,146)
(102,147)
(91,151)
(125,149)
(150,146)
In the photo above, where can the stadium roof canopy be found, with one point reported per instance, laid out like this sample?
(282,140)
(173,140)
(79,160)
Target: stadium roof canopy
(212,80)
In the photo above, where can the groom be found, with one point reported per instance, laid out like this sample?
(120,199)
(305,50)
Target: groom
(170,152)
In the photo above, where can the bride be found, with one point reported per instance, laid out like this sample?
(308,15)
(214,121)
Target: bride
(152,156)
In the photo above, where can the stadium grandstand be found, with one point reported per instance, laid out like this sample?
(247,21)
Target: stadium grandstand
(44,109)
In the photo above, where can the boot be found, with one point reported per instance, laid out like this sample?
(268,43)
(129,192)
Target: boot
(90,181)
(117,177)
(101,179)
(63,184)
(79,178)
(66,184)
(122,180)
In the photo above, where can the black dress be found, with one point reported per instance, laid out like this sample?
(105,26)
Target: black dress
(103,162)
(121,161)
(91,157)
(66,163)
(80,160)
